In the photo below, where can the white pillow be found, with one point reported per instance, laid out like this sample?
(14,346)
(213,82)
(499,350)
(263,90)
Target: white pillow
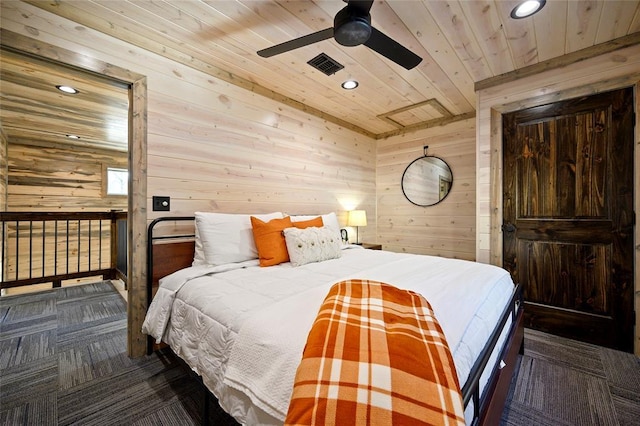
(329,220)
(227,238)
(198,254)
(312,244)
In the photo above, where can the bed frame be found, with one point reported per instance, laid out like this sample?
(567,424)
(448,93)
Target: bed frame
(169,253)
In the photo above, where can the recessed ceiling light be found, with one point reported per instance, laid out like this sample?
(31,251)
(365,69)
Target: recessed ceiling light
(73,136)
(67,89)
(349,84)
(527,8)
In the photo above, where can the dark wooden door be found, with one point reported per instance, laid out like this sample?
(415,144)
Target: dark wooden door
(568,216)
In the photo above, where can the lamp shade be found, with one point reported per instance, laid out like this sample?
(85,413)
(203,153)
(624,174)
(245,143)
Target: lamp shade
(357,218)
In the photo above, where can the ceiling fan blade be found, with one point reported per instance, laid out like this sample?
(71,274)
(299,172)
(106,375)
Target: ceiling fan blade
(392,49)
(296,43)
(363,5)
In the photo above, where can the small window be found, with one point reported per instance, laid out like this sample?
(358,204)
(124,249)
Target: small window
(117,181)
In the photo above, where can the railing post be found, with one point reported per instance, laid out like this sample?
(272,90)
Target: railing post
(114,245)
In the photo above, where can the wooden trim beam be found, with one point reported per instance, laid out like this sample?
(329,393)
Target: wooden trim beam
(559,62)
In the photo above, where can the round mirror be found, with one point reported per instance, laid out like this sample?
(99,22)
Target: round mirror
(427,181)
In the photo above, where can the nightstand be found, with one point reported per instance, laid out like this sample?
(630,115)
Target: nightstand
(371,246)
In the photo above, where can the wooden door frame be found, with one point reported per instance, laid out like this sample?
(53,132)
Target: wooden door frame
(137,199)
(496,218)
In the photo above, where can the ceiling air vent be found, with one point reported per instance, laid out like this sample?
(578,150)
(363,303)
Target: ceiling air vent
(324,63)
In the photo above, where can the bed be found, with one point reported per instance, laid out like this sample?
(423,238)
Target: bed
(242,327)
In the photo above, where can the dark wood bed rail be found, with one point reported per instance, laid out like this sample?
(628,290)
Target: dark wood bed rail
(169,253)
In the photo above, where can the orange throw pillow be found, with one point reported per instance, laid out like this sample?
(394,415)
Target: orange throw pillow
(272,248)
(317,222)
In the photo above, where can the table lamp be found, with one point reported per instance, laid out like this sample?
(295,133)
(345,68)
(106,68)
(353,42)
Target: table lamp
(357,218)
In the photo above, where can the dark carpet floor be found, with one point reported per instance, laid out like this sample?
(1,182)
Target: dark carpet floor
(565,382)
(63,361)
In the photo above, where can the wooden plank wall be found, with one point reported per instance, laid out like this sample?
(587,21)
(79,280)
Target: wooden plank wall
(45,176)
(605,72)
(212,146)
(446,229)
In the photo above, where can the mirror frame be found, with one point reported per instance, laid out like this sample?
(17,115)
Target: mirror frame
(439,183)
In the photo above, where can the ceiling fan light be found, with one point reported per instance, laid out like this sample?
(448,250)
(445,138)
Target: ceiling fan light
(349,84)
(527,8)
(67,89)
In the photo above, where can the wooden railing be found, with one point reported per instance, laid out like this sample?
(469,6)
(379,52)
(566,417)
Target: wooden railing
(43,247)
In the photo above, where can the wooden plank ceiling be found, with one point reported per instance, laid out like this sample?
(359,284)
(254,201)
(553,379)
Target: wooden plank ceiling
(33,111)
(463,43)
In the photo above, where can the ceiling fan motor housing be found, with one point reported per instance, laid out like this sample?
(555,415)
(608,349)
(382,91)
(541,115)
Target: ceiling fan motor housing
(351,27)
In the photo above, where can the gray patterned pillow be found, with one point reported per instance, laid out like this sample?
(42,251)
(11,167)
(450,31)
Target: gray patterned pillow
(312,245)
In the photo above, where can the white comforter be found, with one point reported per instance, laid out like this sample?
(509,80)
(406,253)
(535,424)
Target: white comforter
(243,328)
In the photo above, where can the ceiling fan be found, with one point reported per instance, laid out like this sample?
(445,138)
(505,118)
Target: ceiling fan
(352,27)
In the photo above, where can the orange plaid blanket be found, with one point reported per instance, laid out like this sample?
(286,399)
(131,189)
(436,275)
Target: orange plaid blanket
(375,355)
